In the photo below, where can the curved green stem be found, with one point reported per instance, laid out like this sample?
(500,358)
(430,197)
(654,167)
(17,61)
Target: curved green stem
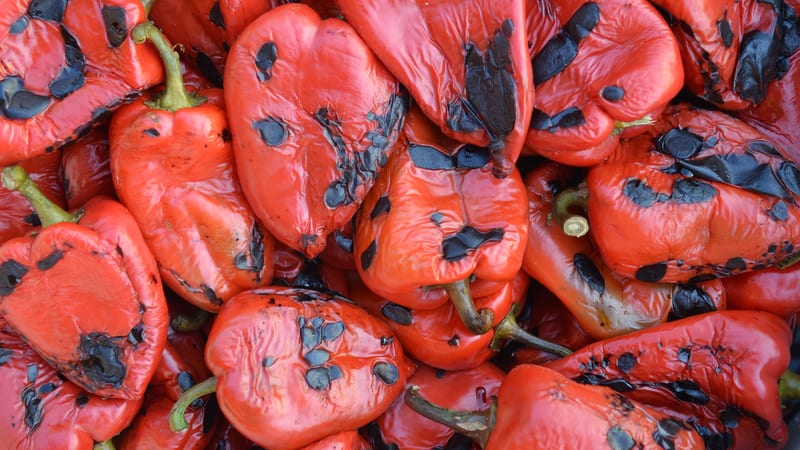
(478,322)
(564,202)
(175,97)
(193,321)
(15,178)
(620,125)
(148,6)
(177,419)
(105,445)
(789,386)
(476,425)
(510,329)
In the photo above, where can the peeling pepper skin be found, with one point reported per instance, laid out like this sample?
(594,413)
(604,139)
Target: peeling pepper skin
(66,66)
(320,140)
(295,365)
(700,195)
(467,67)
(717,371)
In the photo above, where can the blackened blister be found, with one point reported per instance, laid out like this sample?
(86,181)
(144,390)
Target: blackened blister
(626,362)
(688,391)
(568,118)
(271,130)
(725,31)
(651,273)
(368,255)
(640,193)
(50,260)
(691,191)
(71,78)
(101,360)
(428,157)
(208,69)
(47,9)
(755,68)
(265,59)
(317,357)
(215,16)
(34,408)
(738,169)
(471,157)
(689,300)
(116,24)
(612,93)
(318,378)
(619,439)
(589,273)
(679,143)
(398,314)
(554,57)
(466,240)
(18,103)
(382,206)
(11,273)
(386,372)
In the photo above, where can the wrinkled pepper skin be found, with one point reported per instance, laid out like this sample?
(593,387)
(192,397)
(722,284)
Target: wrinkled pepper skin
(700,195)
(771,289)
(596,66)
(87,297)
(295,365)
(344,440)
(320,140)
(732,49)
(66,66)
(43,410)
(439,215)
(467,67)
(150,429)
(717,371)
(86,170)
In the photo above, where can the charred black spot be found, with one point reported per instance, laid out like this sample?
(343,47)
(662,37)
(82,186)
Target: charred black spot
(638,192)
(50,260)
(740,170)
(136,335)
(18,103)
(101,359)
(685,354)
(152,132)
(397,313)
(185,380)
(562,48)
(789,174)
(46,388)
(471,157)
(736,264)
(334,372)
(621,403)
(11,273)
(71,78)
(689,300)
(267,362)
(688,391)
(344,241)
(612,93)
(386,372)
(33,407)
(467,240)
(317,357)
(265,59)
(725,31)
(32,371)
(626,362)
(690,191)
(764,147)
(589,272)
(81,400)
(460,118)
(210,295)
(666,431)
(583,21)
(310,337)
(779,211)
(437,218)
(679,143)
(382,206)
(368,255)
(714,441)
(570,117)
(19,25)
(619,439)
(730,417)
(318,378)
(114,18)
(207,67)
(254,261)
(427,157)
(331,331)
(215,16)
(651,273)
(33,218)
(5,355)
(271,130)
(755,68)
(47,9)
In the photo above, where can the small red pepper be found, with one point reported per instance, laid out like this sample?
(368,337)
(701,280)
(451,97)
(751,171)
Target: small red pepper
(771,289)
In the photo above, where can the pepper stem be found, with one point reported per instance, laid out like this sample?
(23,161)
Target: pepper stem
(574,225)
(175,96)
(148,5)
(620,125)
(177,419)
(15,178)
(789,386)
(478,322)
(476,425)
(105,445)
(510,329)
(193,321)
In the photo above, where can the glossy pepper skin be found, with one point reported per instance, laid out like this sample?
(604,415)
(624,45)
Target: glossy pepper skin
(320,140)
(84,292)
(66,66)
(598,67)
(771,289)
(538,408)
(717,371)
(173,168)
(438,216)
(701,195)
(732,50)
(43,410)
(467,67)
(294,365)
(86,170)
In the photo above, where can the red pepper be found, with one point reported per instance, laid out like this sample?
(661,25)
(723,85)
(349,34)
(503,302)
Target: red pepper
(84,292)
(66,66)
(771,289)
(596,73)
(85,168)
(464,62)
(293,366)
(191,209)
(319,141)
(718,372)
(344,440)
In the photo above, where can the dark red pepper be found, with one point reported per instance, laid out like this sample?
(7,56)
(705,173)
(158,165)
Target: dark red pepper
(85,168)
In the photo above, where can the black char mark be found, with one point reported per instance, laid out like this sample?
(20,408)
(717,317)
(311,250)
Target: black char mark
(332,331)
(11,273)
(688,391)
(467,240)
(18,103)
(626,362)
(570,117)
(386,372)
(50,260)
(100,360)
(562,48)
(271,130)
(756,65)
(47,9)
(690,191)
(206,67)
(215,16)
(690,300)
(666,431)
(467,157)
(612,93)
(398,314)
(651,273)
(116,24)
(368,255)
(382,206)
(725,31)
(317,357)
(265,59)
(19,25)
(71,78)
(5,355)
(779,211)
(34,407)
(255,246)
(589,273)
(619,439)
(679,143)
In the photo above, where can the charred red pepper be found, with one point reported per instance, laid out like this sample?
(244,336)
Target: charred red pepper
(84,292)
(86,170)
(467,69)
(66,65)
(293,366)
(596,73)
(771,289)
(195,218)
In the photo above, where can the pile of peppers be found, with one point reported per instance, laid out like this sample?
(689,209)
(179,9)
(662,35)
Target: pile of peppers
(390,225)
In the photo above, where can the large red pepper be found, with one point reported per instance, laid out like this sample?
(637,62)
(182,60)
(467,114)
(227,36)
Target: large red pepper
(466,66)
(66,65)
(293,366)
(718,372)
(173,168)
(86,170)
(439,223)
(84,292)
(319,139)
(596,73)
(771,289)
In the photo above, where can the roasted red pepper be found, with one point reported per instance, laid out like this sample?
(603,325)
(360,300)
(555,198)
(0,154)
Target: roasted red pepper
(467,67)
(771,289)
(319,141)
(195,218)
(436,218)
(293,366)
(537,407)
(86,170)
(66,66)
(596,73)
(84,292)
(718,372)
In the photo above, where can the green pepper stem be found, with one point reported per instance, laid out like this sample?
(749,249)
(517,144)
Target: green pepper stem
(15,178)
(105,445)
(621,125)
(476,425)
(148,6)
(574,225)
(177,419)
(192,321)
(478,322)
(510,329)
(175,96)
(789,386)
